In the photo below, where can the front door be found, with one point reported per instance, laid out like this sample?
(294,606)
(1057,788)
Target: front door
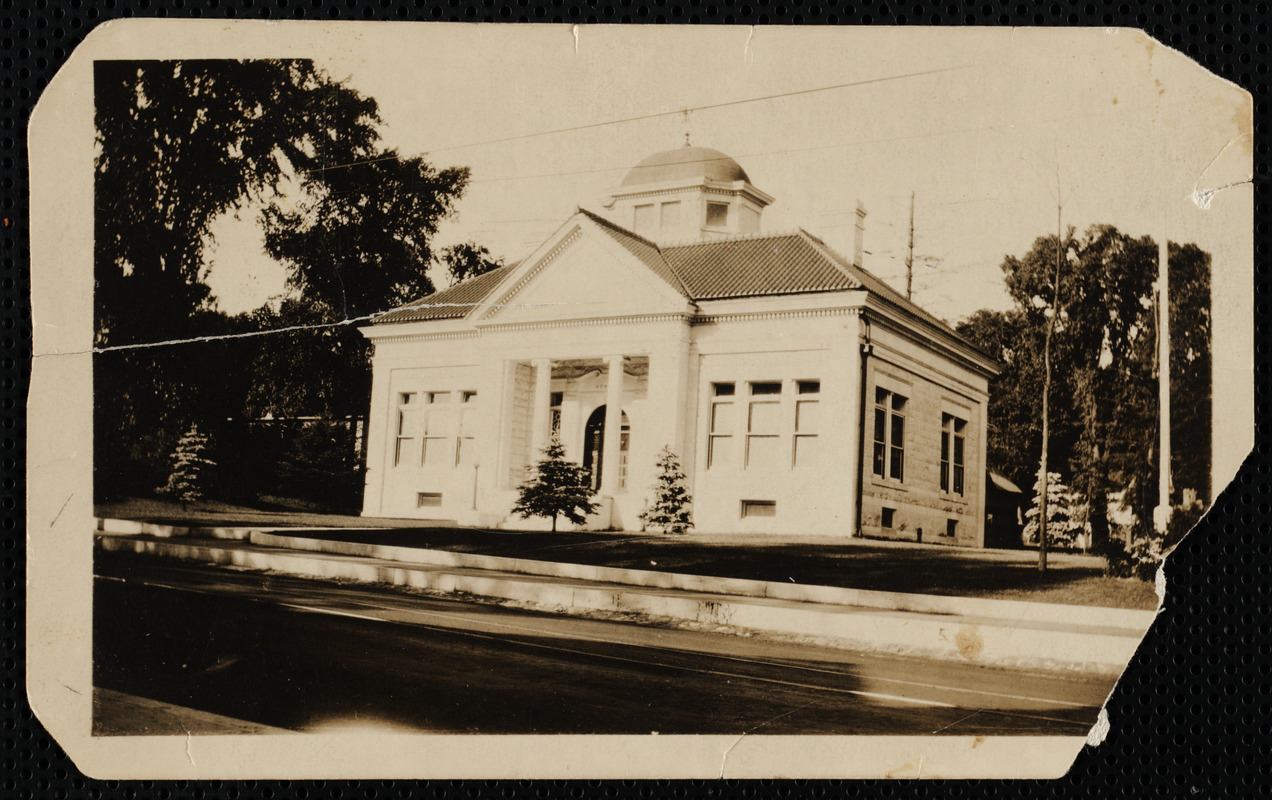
(594,448)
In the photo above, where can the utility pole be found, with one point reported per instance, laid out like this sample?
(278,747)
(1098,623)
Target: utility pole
(909,258)
(1161,517)
(1046,396)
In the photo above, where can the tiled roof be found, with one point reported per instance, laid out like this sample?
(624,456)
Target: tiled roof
(750,265)
(451,303)
(756,265)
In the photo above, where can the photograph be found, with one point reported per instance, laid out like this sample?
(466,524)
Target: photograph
(446,400)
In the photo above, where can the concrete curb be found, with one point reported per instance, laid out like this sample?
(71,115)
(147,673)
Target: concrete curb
(990,642)
(1014,610)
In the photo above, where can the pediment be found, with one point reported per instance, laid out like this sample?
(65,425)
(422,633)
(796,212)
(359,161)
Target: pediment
(584,275)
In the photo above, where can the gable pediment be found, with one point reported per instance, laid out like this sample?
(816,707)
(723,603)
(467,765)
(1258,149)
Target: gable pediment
(583,274)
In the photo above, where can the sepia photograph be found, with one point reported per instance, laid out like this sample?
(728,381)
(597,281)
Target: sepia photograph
(537,401)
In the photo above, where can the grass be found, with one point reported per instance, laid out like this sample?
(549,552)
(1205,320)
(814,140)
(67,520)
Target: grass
(1071,579)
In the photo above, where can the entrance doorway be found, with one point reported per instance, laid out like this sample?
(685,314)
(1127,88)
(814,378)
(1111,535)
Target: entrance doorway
(594,448)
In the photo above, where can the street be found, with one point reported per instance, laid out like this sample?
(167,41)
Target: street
(309,655)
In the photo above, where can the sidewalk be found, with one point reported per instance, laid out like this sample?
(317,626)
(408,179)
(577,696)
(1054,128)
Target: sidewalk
(978,630)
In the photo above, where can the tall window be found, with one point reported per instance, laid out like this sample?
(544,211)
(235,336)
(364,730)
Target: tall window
(889,435)
(807,423)
(952,445)
(405,426)
(722,423)
(763,424)
(554,415)
(437,429)
(465,451)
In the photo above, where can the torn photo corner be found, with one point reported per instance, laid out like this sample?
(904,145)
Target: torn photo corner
(450,401)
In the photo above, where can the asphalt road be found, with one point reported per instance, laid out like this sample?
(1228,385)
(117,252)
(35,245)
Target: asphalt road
(304,655)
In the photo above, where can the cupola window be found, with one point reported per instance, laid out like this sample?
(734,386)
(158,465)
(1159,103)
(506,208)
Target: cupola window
(717,215)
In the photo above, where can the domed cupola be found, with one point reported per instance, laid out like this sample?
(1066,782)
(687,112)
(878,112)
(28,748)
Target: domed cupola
(688,193)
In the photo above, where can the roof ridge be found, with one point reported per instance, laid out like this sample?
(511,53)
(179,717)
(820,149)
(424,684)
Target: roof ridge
(736,237)
(611,224)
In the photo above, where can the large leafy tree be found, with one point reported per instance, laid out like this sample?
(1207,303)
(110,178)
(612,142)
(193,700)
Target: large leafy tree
(181,143)
(1103,405)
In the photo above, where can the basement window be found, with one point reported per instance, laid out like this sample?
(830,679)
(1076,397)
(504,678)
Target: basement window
(759,508)
(885,517)
(428,499)
(951,527)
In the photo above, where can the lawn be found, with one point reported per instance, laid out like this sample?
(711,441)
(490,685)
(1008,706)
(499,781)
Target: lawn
(884,566)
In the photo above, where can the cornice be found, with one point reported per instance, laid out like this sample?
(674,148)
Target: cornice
(749,316)
(587,322)
(425,337)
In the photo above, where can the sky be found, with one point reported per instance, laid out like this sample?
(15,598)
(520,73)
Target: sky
(990,129)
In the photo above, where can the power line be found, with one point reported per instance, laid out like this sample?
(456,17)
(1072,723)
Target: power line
(654,115)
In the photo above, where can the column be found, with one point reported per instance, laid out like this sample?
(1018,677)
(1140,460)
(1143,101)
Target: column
(853,421)
(539,422)
(613,424)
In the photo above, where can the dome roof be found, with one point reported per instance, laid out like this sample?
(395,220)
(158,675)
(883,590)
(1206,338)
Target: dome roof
(686,163)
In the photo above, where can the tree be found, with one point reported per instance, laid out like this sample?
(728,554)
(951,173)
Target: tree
(189,473)
(670,510)
(359,239)
(556,487)
(1066,513)
(181,143)
(1104,398)
(468,260)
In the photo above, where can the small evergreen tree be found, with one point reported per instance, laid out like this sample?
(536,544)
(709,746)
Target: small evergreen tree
(669,511)
(191,467)
(556,487)
(1066,515)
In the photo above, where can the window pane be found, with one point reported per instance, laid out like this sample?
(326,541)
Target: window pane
(806,450)
(723,389)
(897,463)
(898,430)
(881,425)
(881,397)
(766,387)
(807,416)
(761,451)
(435,452)
(439,397)
(717,215)
(958,478)
(465,451)
(808,387)
(437,422)
(718,450)
(878,458)
(765,418)
(945,476)
(898,402)
(722,418)
(958,450)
